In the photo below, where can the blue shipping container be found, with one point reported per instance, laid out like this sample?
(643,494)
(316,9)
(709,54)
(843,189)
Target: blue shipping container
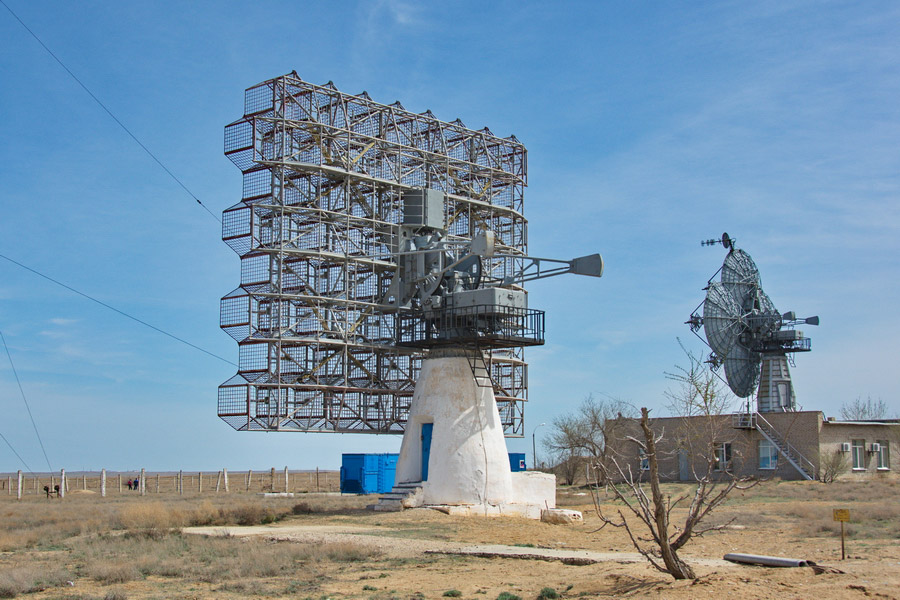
(368,473)
(375,473)
(516,461)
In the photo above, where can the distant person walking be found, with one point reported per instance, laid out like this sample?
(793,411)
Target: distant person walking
(137,482)
(129,484)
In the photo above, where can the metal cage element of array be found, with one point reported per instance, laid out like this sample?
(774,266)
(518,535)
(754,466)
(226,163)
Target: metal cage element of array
(323,176)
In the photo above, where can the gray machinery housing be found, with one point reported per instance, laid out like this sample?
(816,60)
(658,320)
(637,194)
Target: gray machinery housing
(444,296)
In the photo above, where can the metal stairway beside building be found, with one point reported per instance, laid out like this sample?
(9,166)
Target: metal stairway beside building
(794,457)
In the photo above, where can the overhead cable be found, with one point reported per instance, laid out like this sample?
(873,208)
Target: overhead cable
(25,400)
(113,308)
(110,113)
(3,437)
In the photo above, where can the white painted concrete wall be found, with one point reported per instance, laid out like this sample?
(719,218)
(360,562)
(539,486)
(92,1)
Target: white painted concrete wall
(469,461)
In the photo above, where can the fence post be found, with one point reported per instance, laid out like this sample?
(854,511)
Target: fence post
(62,483)
(34,482)
(317,479)
(157,483)
(272,477)
(84,481)
(225,478)
(200,481)
(9,485)
(103,483)
(249,477)
(120,483)
(180,483)
(19,486)
(143,484)
(218,481)
(285,479)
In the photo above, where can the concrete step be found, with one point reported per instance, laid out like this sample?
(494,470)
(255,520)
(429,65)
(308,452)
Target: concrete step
(394,500)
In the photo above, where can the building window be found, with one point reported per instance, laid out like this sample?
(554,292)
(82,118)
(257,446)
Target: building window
(723,456)
(768,456)
(859,455)
(883,456)
(645,461)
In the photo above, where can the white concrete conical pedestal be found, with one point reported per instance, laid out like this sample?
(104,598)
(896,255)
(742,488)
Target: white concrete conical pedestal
(464,466)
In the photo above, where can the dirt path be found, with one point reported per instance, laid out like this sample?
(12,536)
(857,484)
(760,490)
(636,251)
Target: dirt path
(405,547)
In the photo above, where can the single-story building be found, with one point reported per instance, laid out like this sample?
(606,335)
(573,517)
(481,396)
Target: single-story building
(787,445)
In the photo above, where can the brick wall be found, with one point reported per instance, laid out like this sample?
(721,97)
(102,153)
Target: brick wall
(688,442)
(835,433)
(810,434)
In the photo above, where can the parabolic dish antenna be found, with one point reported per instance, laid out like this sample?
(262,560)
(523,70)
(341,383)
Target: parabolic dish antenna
(741,324)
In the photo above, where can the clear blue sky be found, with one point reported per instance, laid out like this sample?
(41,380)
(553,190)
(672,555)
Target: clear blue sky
(649,125)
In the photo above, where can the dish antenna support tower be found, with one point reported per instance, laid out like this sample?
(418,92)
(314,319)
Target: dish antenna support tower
(747,334)
(383,254)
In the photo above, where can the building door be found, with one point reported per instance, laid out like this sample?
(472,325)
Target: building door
(684,470)
(426,448)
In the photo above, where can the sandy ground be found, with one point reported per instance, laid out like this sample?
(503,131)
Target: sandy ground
(873,571)
(424,554)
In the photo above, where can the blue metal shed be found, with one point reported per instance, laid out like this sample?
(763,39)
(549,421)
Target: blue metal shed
(368,473)
(517,461)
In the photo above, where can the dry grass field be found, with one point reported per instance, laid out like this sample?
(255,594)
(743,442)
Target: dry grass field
(127,546)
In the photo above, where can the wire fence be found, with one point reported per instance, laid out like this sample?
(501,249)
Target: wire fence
(142,482)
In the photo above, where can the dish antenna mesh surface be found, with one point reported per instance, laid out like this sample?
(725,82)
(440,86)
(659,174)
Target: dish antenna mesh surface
(742,325)
(326,176)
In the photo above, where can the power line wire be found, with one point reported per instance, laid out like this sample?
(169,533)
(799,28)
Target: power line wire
(109,112)
(16,453)
(113,308)
(25,400)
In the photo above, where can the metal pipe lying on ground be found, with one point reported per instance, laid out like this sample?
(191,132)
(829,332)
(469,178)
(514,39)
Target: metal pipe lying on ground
(768,561)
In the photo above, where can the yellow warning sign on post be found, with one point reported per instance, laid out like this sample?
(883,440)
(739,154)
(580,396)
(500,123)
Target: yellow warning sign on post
(842,515)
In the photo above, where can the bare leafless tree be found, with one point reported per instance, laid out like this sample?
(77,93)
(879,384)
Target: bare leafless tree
(567,465)
(583,433)
(865,410)
(701,401)
(832,465)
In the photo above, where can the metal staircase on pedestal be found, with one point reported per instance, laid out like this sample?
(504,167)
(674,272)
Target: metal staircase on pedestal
(480,369)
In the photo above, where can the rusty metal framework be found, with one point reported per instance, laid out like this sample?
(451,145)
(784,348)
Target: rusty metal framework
(315,229)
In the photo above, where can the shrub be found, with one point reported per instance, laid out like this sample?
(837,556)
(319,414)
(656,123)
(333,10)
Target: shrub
(548,593)
(301,508)
(117,572)
(250,514)
(25,580)
(452,594)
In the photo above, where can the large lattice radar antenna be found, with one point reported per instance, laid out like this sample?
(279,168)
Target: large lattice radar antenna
(746,333)
(369,235)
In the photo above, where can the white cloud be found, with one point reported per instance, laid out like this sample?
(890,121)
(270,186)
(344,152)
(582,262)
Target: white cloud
(63,321)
